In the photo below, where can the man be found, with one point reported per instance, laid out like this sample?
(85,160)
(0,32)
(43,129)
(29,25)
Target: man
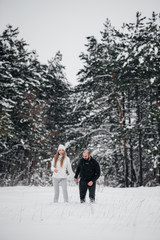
(89,171)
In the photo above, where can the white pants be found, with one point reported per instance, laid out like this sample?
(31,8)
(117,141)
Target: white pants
(57,182)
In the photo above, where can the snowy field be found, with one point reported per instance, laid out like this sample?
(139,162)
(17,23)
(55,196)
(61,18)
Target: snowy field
(28,213)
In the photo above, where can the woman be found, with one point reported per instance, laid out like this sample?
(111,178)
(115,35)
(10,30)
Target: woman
(60,165)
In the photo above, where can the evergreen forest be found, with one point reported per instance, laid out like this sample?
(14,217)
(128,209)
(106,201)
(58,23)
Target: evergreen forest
(114,110)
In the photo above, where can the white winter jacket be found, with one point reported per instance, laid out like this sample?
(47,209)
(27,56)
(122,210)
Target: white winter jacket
(62,171)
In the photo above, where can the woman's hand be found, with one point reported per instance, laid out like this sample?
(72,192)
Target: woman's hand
(55,170)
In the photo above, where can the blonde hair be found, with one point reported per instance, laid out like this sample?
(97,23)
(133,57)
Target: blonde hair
(56,159)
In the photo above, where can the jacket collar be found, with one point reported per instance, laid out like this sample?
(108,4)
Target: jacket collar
(88,160)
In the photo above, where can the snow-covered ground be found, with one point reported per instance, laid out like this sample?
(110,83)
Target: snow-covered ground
(28,213)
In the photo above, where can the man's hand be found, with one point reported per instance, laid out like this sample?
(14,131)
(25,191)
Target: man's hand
(90,183)
(55,170)
(76,179)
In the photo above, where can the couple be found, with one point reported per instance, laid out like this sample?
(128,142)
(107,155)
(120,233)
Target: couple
(87,168)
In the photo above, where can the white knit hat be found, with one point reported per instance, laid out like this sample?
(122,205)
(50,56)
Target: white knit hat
(61,147)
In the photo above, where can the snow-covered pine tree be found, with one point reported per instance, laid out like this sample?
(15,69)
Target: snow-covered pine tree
(13,59)
(29,91)
(141,70)
(128,79)
(95,91)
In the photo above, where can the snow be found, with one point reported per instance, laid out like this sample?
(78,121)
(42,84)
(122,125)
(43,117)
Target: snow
(118,214)
(6,104)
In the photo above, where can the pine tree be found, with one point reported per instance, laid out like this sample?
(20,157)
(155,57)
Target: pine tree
(30,92)
(118,78)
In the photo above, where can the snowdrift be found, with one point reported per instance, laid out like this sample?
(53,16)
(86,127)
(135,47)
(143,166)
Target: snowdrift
(119,214)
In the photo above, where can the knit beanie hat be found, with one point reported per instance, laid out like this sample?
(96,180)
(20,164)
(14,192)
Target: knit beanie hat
(61,147)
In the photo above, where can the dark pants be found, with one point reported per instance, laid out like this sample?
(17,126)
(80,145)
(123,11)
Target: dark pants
(83,186)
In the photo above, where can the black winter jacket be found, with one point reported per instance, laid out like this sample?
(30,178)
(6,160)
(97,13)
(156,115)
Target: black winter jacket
(89,170)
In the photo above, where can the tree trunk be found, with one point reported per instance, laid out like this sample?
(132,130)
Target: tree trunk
(158,121)
(139,117)
(123,135)
(132,173)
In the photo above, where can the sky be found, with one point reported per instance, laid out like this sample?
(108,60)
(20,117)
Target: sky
(49,26)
